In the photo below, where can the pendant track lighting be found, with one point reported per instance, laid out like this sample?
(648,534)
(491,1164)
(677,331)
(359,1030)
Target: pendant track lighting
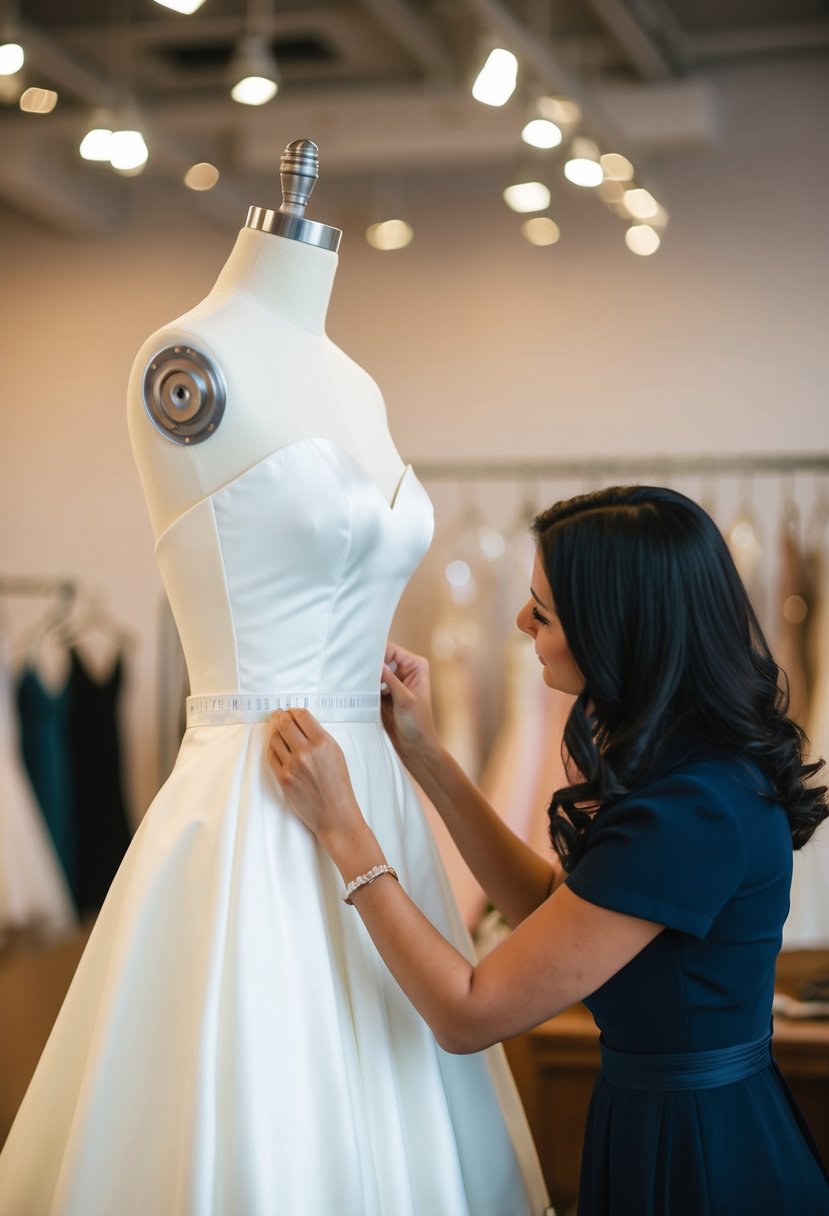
(540,230)
(96,144)
(117,138)
(254,72)
(642,239)
(389,230)
(542,133)
(12,58)
(201,176)
(389,234)
(583,167)
(38,101)
(128,152)
(526,195)
(495,83)
(181,6)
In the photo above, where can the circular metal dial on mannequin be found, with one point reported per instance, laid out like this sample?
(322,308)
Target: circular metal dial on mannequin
(184,394)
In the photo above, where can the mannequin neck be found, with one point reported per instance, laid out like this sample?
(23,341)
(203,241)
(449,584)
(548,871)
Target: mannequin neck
(289,278)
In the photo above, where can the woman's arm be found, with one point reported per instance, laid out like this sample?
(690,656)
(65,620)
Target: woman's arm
(514,877)
(561,952)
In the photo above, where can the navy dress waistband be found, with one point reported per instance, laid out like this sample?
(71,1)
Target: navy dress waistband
(686,1070)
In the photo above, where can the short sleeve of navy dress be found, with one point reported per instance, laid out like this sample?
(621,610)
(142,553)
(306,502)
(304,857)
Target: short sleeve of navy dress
(703,849)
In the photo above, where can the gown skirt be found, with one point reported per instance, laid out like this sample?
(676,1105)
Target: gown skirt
(232,1042)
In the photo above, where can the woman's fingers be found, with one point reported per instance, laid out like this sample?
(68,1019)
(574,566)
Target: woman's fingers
(306,725)
(278,746)
(392,680)
(297,727)
(403,662)
(289,740)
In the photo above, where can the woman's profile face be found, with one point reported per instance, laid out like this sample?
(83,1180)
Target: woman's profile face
(538,619)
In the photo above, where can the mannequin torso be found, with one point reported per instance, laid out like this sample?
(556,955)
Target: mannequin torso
(263,326)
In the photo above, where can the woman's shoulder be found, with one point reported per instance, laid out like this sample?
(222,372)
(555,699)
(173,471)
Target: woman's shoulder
(704,774)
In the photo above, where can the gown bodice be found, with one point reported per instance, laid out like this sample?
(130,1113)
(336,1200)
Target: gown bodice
(287,578)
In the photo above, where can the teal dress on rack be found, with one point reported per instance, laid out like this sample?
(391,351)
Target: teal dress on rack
(45,725)
(690,1115)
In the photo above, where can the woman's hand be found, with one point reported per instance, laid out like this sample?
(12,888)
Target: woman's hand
(407,706)
(311,770)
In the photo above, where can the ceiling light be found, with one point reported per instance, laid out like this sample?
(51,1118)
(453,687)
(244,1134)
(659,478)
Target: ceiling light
(11,58)
(641,204)
(181,6)
(495,83)
(541,230)
(128,151)
(642,239)
(202,176)
(527,196)
(254,72)
(96,144)
(583,167)
(389,234)
(38,101)
(542,133)
(616,168)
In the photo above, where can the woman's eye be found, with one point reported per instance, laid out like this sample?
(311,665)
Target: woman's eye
(538,617)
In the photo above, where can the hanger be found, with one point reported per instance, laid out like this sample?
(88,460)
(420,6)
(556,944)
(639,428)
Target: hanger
(63,595)
(92,615)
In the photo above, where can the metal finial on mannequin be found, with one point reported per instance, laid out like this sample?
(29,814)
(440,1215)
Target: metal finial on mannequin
(298,172)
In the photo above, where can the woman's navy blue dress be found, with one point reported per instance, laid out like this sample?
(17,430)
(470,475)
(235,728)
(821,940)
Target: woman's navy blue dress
(690,1115)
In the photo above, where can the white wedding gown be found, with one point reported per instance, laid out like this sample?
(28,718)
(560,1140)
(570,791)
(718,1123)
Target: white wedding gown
(232,1044)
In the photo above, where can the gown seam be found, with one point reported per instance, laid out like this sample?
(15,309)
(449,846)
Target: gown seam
(228,597)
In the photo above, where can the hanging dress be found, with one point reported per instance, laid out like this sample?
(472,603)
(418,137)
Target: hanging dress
(44,717)
(34,895)
(102,827)
(807,926)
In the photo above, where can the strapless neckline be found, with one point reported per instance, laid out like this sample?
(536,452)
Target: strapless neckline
(334,449)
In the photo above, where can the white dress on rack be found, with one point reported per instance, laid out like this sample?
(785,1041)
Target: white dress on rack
(34,895)
(807,925)
(232,1044)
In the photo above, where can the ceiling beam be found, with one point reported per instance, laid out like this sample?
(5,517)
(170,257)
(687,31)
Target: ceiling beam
(406,126)
(400,20)
(67,70)
(412,129)
(760,39)
(649,35)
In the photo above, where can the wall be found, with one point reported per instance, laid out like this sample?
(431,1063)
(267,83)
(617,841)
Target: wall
(482,344)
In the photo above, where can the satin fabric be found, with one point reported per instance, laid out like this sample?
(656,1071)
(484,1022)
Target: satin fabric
(232,1042)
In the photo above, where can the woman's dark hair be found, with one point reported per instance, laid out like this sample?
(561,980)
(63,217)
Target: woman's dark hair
(659,624)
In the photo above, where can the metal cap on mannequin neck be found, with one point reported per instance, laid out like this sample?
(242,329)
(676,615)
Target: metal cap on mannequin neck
(298,172)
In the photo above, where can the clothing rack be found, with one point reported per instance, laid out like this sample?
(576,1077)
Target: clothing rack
(609,467)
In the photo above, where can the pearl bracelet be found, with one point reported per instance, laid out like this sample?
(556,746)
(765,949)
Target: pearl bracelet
(363,880)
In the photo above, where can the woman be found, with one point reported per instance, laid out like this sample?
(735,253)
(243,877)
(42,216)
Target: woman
(663,904)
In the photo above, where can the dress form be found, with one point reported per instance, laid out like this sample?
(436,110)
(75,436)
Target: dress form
(262,327)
